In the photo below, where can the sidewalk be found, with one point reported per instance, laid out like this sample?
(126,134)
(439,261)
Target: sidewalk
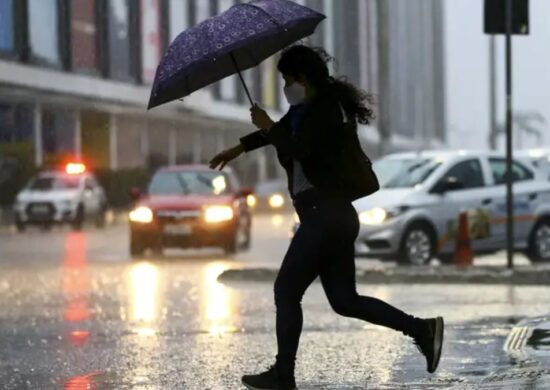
(521,275)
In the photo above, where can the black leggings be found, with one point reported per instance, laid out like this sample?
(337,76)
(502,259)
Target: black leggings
(324,246)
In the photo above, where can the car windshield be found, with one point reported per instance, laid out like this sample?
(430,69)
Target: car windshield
(189,182)
(403,173)
(48,183)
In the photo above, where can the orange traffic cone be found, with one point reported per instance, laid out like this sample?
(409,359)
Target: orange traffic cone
(463,251)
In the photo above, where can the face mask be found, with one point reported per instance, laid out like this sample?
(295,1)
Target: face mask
(295,93)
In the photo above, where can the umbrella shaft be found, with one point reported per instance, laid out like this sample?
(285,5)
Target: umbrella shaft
(242,79)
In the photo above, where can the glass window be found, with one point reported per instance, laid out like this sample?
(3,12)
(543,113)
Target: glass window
(405,173)
(84,36)
(150,38)
(228,85)
(43,19)
(498,169)
(119,39)
(7,38)
(468,173)
(201,183)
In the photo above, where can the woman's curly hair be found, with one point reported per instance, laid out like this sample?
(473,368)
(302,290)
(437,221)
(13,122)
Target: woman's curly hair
(311,62)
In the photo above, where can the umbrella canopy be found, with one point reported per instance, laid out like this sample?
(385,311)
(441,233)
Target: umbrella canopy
(238,39)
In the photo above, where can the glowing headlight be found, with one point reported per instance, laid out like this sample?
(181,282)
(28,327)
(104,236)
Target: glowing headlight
(141,214)
(213,214)
(276,201)
(374,216)
(251,201)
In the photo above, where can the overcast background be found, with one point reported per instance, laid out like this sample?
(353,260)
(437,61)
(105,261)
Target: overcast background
(467,56)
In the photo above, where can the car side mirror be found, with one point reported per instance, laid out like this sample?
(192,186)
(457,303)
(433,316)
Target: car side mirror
(135,193)
(448,184)
(245,191)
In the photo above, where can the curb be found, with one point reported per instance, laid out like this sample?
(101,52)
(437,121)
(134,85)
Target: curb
(417,275)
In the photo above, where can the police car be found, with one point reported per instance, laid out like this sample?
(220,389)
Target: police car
(70,195)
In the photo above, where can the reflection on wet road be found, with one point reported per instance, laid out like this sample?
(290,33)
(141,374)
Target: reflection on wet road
(76,313)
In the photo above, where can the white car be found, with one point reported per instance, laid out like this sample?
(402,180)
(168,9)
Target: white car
(61,196)
(414,216)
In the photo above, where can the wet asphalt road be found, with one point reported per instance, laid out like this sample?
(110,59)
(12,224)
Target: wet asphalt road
(77,313)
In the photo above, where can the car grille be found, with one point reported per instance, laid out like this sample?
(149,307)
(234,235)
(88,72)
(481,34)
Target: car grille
(40,210)
(177,216)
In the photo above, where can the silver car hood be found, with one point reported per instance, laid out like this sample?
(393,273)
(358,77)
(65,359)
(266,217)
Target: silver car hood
(385,197)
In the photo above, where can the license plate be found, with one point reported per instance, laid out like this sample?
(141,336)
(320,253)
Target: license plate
(40,209)
(179,230)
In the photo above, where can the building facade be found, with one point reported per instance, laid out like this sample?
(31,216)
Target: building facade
(75,77)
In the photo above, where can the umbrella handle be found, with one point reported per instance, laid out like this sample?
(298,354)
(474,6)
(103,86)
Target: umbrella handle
(242,79)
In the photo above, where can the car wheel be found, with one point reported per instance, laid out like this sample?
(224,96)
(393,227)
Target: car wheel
(78,219)
(417,245)
(539,242)
(136,247)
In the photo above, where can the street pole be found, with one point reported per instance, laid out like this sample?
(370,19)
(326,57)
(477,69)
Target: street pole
(509,184)
(492,94)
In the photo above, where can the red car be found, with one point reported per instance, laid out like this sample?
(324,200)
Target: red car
(188,207)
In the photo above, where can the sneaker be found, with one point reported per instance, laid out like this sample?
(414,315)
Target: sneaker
(271,379)
(431,343)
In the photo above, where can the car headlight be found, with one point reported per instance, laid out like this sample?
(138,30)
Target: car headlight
(276,201)
(251,200)
(214,214)
(374,216)
(378,215)
(141,214)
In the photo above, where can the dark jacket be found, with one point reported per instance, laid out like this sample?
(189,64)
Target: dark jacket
(328,149)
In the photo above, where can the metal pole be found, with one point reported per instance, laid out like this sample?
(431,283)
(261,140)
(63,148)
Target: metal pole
(509,192)
(492,94)
(242,80)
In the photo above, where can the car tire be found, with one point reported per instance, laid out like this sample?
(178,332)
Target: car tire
(417,245)
(539,242)
(78,220)
(136,247)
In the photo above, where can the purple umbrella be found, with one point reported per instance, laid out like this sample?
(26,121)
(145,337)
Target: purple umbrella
(238,39)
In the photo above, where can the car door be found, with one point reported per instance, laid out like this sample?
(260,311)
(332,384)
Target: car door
(525,200)
(471,198)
